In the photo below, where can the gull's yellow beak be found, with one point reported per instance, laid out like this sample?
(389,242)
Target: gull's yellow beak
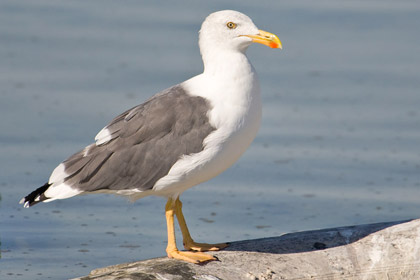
(266,38)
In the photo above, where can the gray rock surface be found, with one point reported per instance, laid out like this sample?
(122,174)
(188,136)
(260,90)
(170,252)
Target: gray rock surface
(374,251)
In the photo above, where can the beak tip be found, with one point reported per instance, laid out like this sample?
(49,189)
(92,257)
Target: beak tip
(266,38)
(276,44)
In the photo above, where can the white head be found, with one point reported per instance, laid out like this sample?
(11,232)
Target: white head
(232,31)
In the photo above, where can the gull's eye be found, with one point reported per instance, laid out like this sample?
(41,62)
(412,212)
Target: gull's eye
(231,25)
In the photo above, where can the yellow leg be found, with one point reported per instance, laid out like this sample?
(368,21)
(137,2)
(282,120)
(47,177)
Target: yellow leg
(189,243)
(171,249)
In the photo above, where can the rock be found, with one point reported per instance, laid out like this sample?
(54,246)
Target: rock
(374,251)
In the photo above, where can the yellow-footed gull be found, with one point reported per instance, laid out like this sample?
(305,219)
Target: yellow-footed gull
(180,137)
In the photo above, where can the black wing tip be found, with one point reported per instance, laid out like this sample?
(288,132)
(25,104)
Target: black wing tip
(35,197)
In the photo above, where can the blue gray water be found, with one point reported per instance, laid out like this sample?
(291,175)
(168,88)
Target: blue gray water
(339,143)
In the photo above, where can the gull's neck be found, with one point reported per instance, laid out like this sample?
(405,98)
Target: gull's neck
(230,83)
(228,78)
(228,64)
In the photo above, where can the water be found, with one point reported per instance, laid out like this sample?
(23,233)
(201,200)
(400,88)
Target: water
(338,144)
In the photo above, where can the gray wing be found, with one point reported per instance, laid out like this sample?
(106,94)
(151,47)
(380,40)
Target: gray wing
(141,145)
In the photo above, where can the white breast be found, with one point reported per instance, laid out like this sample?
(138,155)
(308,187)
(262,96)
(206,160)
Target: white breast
(236,115)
